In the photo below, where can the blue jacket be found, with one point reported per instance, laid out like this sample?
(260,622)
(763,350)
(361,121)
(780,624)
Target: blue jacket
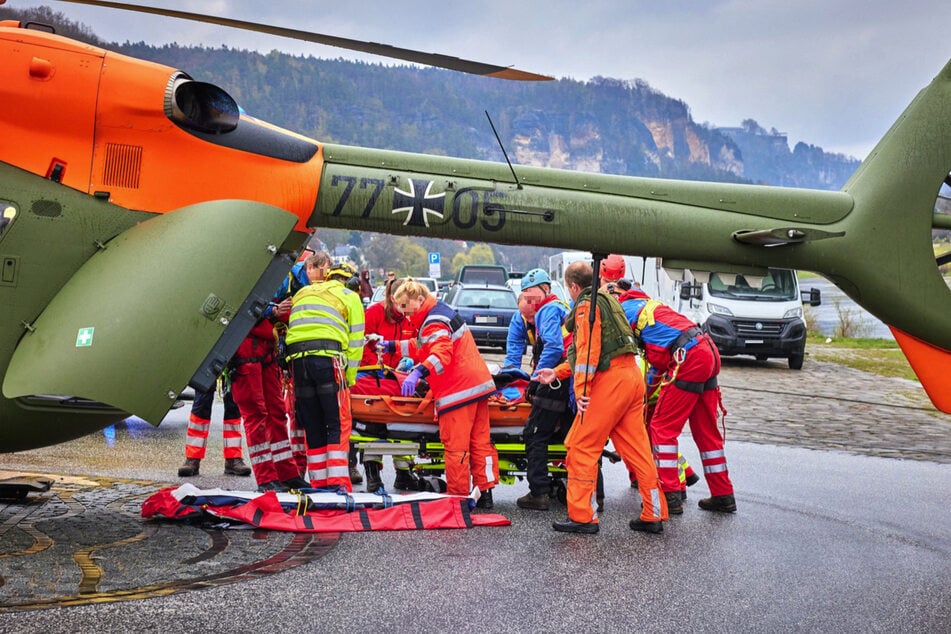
(293,282)
(548,322)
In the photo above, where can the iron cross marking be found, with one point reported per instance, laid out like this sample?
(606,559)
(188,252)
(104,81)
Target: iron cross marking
(418,203)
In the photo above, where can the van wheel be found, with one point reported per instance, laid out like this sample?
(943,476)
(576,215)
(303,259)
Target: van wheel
(795,362)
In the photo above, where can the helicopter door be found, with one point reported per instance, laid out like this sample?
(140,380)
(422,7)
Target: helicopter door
(171,295)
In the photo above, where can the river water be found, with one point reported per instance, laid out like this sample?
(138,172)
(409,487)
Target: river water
(836,303)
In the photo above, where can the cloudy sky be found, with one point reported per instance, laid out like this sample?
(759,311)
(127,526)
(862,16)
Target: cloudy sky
(834,73)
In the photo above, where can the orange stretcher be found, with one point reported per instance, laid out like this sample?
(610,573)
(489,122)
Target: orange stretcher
(395,422)
(414,417)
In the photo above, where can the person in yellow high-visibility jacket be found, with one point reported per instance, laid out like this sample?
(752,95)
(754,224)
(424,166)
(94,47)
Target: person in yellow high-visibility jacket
(324,345)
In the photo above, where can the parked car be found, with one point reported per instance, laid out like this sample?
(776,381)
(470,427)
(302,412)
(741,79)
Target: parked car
(487,310)
(430,283)
(482,274)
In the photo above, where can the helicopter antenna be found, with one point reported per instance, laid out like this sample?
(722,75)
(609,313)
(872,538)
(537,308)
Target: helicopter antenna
(504,153)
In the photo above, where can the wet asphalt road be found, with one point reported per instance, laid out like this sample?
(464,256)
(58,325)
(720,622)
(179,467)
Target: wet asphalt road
(829,536)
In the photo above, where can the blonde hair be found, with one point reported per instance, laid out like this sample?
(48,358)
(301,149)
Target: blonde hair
(411,289)
(390,288)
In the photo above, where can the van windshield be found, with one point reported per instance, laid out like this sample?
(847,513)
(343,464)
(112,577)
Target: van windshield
(778,286)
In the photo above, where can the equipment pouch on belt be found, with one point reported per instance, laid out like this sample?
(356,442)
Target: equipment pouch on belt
(548,398)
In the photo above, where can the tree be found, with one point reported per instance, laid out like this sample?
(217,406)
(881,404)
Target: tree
(459,260)
(481,254)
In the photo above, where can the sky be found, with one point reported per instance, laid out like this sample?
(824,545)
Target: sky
(832,73)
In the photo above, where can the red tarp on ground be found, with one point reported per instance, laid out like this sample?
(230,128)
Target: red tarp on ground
(265,511)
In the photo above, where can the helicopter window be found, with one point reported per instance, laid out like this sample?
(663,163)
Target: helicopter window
(204,107)
(941,226)
(9,213)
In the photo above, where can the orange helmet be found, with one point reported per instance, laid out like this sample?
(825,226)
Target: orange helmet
(612,267)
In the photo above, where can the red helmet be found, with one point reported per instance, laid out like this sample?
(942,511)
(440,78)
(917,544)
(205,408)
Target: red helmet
(612,267)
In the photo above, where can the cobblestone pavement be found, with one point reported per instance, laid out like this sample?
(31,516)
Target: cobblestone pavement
(829,406)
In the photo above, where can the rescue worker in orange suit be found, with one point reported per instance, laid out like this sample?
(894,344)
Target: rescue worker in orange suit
(324,345)
(551,412)
(609,392)
(196,441)
(256,388)
(385,323)
(687,361)
(447,357)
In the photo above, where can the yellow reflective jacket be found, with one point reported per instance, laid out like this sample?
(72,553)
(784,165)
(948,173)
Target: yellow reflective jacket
(327,320)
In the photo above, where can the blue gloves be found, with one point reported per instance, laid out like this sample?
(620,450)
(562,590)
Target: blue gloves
(386,347)
(409,383)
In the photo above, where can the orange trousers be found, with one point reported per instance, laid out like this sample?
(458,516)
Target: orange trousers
(616,411)
(464,433)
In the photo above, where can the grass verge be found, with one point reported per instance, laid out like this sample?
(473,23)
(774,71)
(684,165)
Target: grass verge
(876,356)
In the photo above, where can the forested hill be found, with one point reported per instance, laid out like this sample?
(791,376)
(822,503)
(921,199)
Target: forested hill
(601,125)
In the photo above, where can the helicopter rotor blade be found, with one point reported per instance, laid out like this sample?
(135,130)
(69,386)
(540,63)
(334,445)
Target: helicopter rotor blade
(384,50)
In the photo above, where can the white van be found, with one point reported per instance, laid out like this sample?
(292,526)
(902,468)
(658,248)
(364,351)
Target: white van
(743,314)
(746,314)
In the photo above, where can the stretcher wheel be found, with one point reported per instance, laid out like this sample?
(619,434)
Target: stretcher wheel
(559,490)
(432,484)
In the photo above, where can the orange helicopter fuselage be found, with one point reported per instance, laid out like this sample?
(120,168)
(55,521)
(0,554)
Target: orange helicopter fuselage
(99,122)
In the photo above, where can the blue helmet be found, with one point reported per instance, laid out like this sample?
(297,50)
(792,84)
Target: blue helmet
(535,277)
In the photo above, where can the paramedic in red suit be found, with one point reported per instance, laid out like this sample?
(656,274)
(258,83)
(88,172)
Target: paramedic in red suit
(256,388)
(447,356)
(299,276)
(384,320)
(689,363)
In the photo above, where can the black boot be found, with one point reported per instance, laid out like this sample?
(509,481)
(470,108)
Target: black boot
(718,503)
(571,526)
(355,477)
(646,527)
(405,481)
(534,502)
(485,500)
(236,466)
(374,481)
(675,505)
(190,468)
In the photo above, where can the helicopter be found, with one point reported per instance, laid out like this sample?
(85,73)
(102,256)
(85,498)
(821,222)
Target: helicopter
(138,175)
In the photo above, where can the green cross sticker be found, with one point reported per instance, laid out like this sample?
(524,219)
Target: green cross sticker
(84,337)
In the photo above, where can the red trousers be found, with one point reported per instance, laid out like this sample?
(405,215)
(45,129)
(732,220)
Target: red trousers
(616,412)
(199,423)
(256,389)
(677,406)
(296,433)
(469,452)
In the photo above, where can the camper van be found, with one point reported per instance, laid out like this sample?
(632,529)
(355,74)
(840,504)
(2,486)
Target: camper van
(643,271)
(758,315)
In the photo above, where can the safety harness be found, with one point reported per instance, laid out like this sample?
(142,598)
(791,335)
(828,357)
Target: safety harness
(616,335)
